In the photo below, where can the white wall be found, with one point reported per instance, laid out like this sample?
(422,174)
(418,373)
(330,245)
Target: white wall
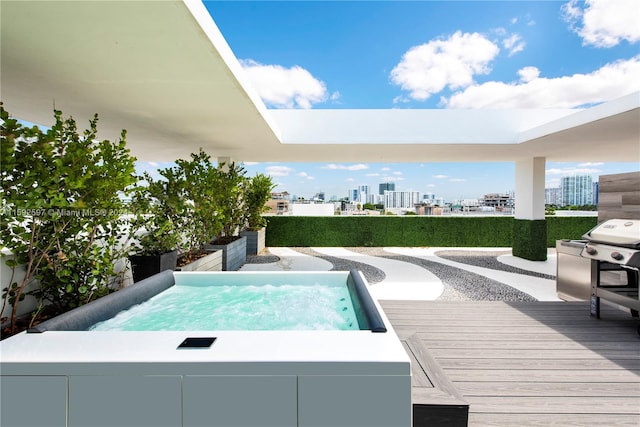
(303,209)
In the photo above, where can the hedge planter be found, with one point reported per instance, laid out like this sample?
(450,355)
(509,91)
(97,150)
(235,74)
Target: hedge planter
(234,254)
(255,240)
(210,262)
(144,266)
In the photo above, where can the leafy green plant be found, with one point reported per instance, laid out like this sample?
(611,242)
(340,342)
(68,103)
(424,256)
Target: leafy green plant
(159,213)
(231,201)
(62,210)
(257,193)
(202,183)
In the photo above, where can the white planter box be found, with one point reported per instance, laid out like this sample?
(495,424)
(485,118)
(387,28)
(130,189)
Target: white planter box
(211,262)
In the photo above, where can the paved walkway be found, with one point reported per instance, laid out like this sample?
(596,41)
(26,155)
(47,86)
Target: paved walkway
(407,281)
(539,288)
(290,260)
(403,281)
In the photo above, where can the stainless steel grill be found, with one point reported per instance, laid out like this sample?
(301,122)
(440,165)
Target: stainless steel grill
(614,249)
(615,241)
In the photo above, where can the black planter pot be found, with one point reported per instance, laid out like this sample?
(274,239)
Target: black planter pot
(144,266)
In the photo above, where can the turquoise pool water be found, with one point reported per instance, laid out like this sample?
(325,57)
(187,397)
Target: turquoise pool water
(319,306)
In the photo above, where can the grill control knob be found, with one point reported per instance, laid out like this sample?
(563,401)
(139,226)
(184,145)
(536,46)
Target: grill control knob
(617,256)
(591,250)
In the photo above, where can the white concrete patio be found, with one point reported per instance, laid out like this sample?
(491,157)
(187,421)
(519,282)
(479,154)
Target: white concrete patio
(407,281)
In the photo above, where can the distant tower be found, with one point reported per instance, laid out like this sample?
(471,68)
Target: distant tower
(386,186)
(577,190)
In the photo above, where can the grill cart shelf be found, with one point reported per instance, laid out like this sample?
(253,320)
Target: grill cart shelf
(626,295)
(614,249)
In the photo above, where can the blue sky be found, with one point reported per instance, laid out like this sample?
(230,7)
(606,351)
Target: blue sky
(432,54)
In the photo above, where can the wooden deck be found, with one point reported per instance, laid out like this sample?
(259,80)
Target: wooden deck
(525,364)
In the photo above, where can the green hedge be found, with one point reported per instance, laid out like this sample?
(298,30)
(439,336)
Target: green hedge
(530,239)
(412,230)
(572,227)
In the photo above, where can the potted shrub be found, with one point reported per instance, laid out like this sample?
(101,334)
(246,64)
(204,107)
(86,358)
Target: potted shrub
(62,212)
(257,193)
(202,218)
(231,207)
(157,208)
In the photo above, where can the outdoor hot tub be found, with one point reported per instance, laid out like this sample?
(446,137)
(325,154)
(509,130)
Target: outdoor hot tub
(336,362)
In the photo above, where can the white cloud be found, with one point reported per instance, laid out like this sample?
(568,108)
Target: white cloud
(513,44)
(552,183)
(357,167)
(392,178)
(278,170)
(604,23)
(528,74)
(283,87)
(374,174)
(457,180)
(440,176)
(612,81)
(453,62)
(572,171)
(305,175)
(590,164)
(401,99)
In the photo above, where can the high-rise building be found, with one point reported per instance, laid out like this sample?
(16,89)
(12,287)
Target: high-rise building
(553,196)
(360,194)
(401,199)
(386,186)
(363,193)
(577,190)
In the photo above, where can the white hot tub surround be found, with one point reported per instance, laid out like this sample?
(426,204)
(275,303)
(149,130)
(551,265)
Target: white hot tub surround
(245,378)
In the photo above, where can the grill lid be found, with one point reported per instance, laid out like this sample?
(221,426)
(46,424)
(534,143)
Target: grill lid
(620,232)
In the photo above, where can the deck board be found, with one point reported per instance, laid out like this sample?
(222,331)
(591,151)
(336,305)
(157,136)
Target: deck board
(531,364)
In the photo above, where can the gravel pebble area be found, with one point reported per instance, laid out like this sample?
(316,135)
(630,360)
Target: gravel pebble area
(488,259)
(459,285)
(371,273)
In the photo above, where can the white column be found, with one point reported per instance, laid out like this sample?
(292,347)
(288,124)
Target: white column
(530,188)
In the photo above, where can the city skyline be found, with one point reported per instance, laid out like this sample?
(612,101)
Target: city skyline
(431,54)
(466,180)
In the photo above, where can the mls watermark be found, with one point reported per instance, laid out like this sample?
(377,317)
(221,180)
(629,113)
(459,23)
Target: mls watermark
(63,212)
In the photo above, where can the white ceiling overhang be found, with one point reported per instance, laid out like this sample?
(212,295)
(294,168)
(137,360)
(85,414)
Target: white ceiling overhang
(163,71)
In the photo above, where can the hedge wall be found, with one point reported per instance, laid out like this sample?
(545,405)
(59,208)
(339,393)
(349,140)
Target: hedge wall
(530,239)
(491,231)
